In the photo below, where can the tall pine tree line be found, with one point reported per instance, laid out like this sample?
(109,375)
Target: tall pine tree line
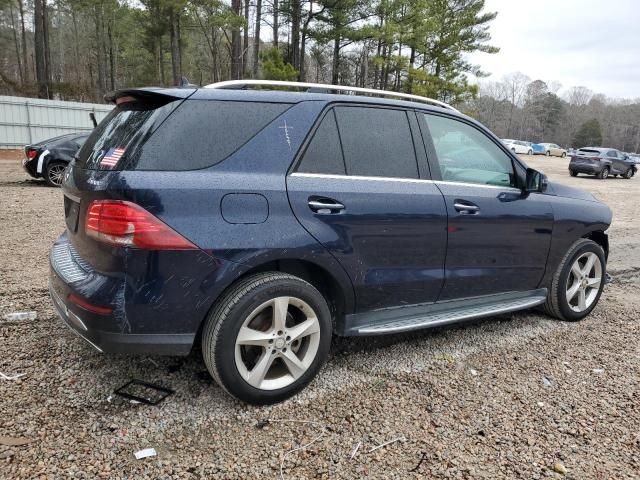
(81,49)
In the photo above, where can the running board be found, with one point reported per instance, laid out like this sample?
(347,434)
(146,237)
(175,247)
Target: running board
(425,316)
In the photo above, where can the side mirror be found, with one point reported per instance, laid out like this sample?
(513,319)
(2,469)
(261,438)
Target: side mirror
(536,181)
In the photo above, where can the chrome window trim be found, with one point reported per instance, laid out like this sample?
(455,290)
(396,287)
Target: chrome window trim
(403,180)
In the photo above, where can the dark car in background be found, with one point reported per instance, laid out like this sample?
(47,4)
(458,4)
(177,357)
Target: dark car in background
(260,223)
(49,158)
(602,162)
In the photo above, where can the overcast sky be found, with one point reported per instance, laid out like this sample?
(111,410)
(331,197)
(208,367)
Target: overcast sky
(595,43)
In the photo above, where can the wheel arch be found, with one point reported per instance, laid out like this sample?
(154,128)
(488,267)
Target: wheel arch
(338,294)
(601,239)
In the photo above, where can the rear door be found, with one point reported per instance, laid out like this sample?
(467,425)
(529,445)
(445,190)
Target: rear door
(371,204)
(618,165)
(499,237)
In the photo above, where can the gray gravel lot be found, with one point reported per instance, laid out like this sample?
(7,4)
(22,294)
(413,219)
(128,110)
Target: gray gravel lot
(469,402)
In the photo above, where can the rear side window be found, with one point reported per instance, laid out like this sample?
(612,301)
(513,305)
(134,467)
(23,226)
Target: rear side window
(323,154)
(377,142)
(121,134)
(612,153)
(186,135)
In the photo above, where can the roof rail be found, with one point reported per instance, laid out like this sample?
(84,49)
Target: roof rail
(325,88)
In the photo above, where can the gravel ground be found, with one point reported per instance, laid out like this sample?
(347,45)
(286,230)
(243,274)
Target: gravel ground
(519,396)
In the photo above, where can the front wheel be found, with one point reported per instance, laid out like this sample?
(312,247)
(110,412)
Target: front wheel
(578,282)
(629,173)
(530,152)
(604,173)
(564,154)
(548,153)
(267,337)
(573,173)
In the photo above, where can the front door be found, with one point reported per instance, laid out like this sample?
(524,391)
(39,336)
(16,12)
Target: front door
(370,206)
(499,237)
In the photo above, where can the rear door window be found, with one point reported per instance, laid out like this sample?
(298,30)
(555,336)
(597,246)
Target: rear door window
(323,154)
(377,142)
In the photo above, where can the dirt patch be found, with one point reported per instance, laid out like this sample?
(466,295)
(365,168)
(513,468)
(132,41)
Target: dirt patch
(11,155)
(508,397)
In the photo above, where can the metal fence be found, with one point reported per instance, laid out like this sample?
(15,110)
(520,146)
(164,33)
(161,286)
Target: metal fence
(29,120)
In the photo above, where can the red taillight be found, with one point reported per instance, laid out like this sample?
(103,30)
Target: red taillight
(82,303)
(31,154)
(596,158)
(127,224)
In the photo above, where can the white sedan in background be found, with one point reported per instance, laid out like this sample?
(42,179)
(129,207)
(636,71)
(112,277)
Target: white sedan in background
(518,146)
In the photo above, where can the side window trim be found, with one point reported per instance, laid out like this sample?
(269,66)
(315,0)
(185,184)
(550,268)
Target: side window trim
(432,155)
(424,169)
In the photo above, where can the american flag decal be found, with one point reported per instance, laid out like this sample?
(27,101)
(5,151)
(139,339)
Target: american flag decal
(112,157)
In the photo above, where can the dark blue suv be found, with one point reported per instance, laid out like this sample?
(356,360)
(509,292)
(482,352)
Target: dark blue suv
(262,222)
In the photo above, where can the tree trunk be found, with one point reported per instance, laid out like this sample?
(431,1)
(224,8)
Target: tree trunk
(39,46)
(112,59)
(275,23)
(295,33)
(236,47)
(256,39)
(335,61)
(245,41)
(25,58)
(47,49)
(100,51)
(176,60)
(76,46)
(15,41)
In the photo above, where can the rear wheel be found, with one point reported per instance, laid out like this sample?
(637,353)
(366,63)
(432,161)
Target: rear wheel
(267,337)
(530,152)
(548,153)
(54,173)
(573,173)
(564,154)
(628,174)
(604,173)
(578,282)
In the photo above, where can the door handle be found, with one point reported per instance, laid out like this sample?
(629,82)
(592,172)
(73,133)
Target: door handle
(325,205)
(466,208)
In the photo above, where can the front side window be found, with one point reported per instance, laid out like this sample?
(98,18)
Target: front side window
(466,154)
(377,142)
(612,154)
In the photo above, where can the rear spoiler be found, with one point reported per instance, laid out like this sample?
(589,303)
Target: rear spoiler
(151,93)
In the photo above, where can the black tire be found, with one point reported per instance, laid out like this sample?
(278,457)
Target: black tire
(548,153)
(54,173)
(604,173)
(628,174)
(573,173)
(564,154)
(226,319)
(530,152)
(557,305)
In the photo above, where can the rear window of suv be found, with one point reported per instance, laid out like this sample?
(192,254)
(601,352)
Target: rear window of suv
(178,135)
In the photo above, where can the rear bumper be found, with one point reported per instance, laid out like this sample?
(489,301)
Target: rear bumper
(30,166)
(126,343)
(117,332)
(586,168)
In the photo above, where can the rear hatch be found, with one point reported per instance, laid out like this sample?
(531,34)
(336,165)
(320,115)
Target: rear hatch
(114,146)
(149,151)
(587,156)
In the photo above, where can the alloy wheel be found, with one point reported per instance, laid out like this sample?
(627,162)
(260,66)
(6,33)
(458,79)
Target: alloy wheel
(583,283)
(56,173)
(277,343)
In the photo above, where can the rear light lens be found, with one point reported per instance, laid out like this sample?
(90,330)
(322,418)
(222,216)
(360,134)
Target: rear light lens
(596,158)
(31,154)
(126,224)
(85,305)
